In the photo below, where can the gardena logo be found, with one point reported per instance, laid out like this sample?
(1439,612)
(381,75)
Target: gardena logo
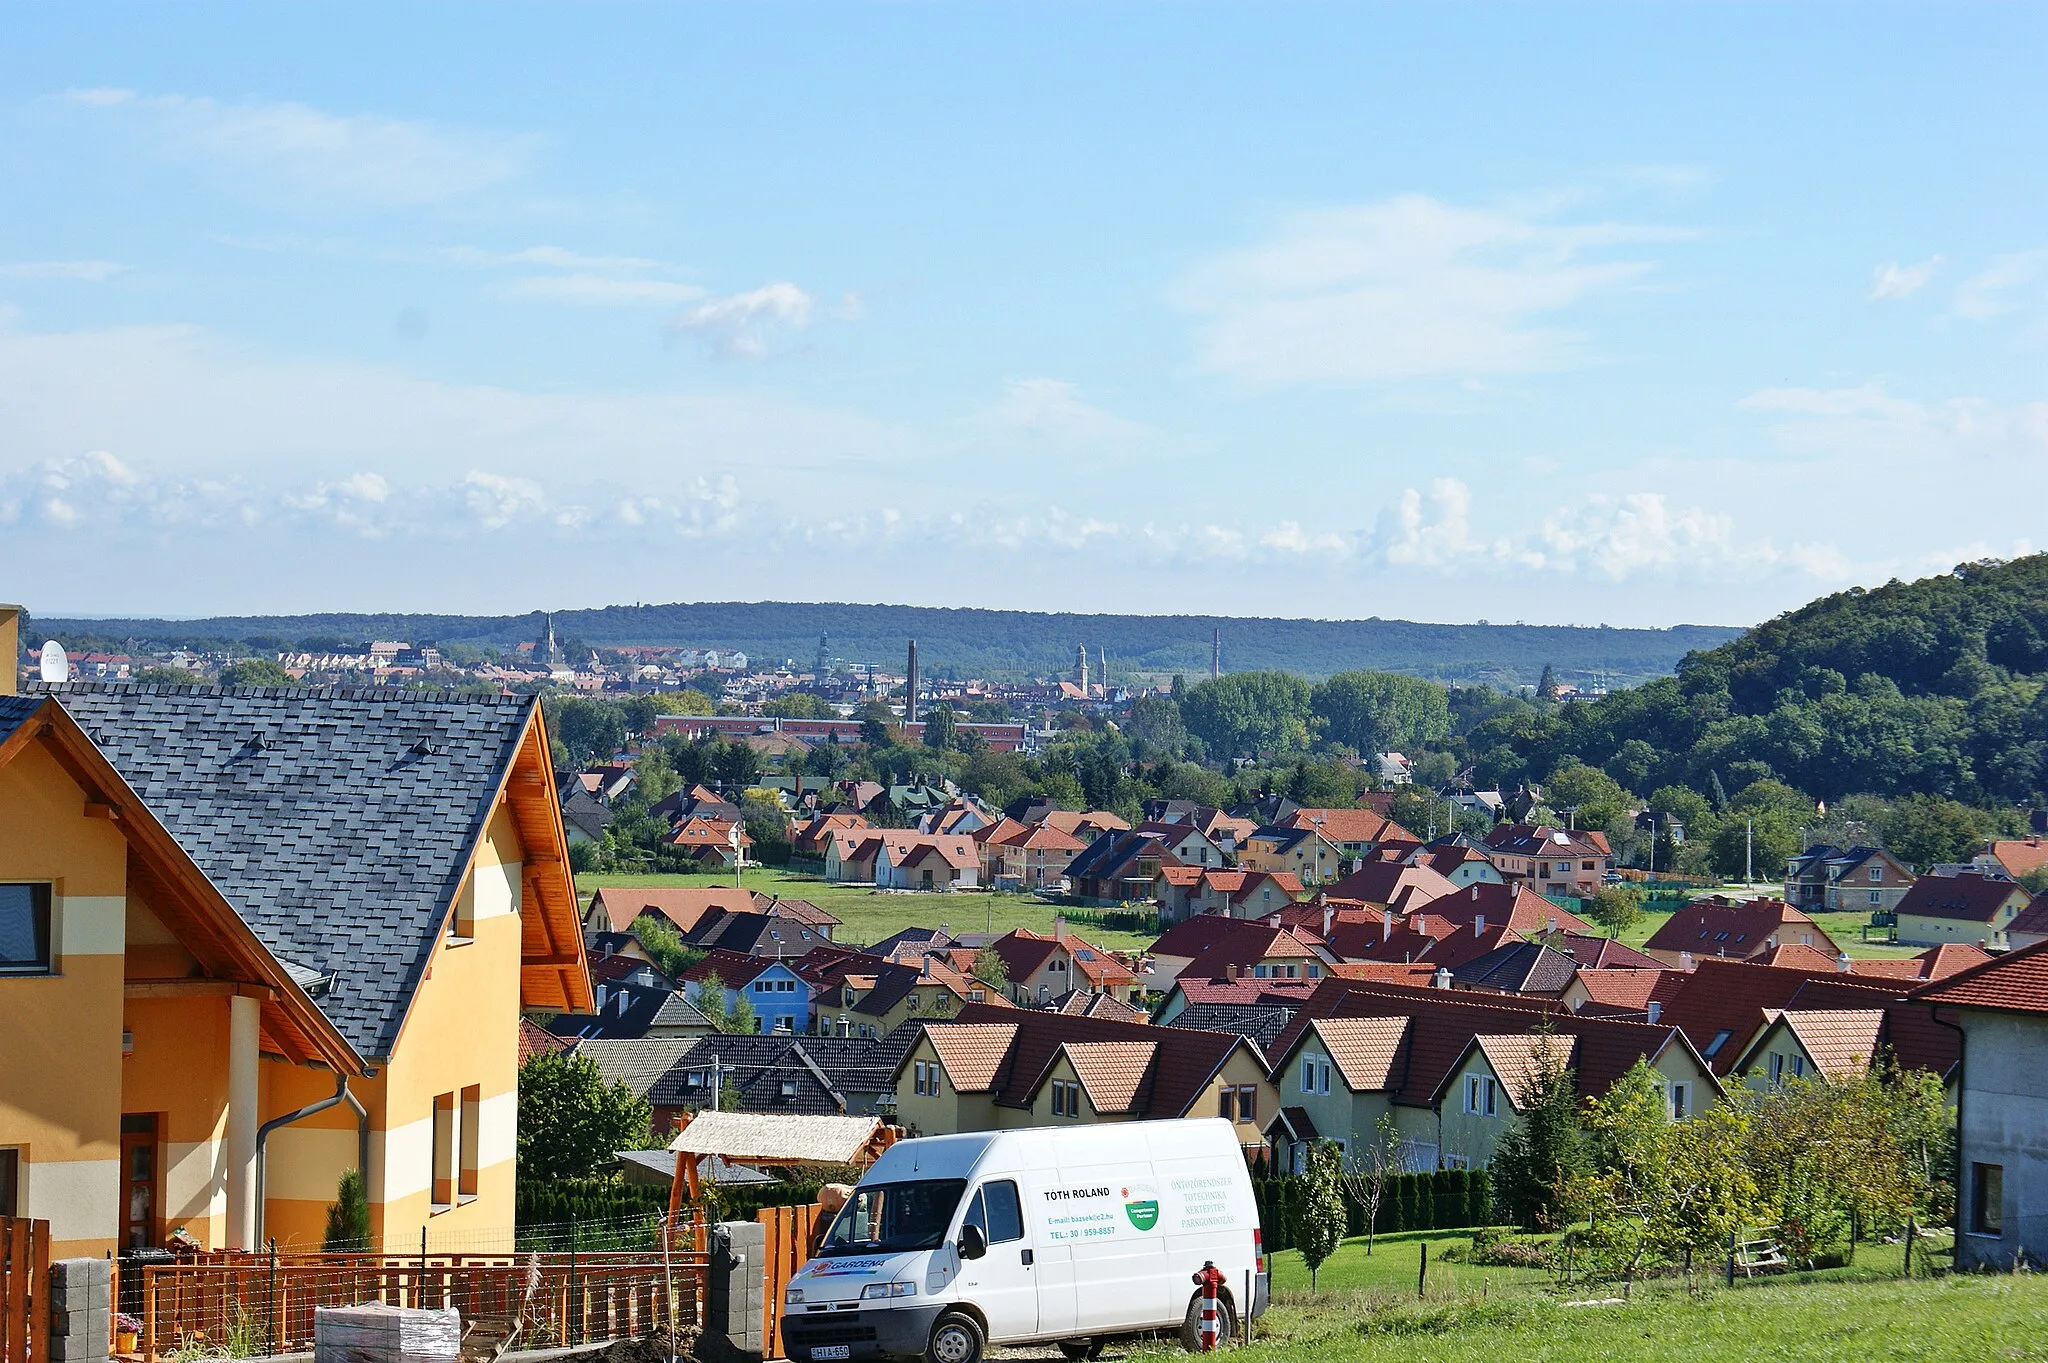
(1141,1205)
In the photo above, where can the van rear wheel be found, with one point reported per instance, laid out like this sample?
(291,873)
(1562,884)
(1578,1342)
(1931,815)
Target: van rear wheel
(1191,1324)
(1082,1350)
(955,1339)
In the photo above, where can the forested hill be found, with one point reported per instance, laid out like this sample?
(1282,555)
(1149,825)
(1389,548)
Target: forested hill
(999,643)
(1938,687)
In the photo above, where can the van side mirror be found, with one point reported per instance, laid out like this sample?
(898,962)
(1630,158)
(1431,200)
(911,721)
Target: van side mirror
(973,1242)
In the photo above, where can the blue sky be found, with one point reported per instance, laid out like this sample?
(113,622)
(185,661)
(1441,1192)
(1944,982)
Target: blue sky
(1634,313)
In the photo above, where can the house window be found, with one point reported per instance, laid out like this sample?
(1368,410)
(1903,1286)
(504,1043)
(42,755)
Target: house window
(1226,1103)
(1681,1102)
(10,1182)
(1482,1096)
(444,1150)
(1987,1199)
(1247,1103)
(1066,1098)
(462,918)
(1315,972)
(1713,1047)
(1877,896)
(472,1113)
(789,1088)
(24,929)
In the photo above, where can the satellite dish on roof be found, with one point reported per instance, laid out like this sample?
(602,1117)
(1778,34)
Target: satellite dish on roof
(56,667)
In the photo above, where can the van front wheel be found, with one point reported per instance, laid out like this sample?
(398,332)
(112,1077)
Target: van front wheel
(1191,1324)
(955,1339)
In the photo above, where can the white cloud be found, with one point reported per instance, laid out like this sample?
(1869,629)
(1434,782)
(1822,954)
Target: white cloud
(496,500)
(556,257)
(1407,288)
(2011,283)
(745,325)
(344,158)
(603,291)
(1867,400)
(88,271)
(1052,410)
(1893,280)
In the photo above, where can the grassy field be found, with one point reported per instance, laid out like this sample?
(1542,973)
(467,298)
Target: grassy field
(1367,1312)
(870,915)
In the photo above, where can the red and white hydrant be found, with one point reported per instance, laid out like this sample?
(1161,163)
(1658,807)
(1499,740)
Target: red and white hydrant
(1210,1280)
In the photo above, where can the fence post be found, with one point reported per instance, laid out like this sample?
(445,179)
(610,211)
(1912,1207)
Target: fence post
(569,1329)
(270,1312)
(1907,1272)
(1422,1268)
(149,1314)
(1731,1258)
(419,1295)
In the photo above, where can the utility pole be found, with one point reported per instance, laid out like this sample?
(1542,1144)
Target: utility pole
(1749,851)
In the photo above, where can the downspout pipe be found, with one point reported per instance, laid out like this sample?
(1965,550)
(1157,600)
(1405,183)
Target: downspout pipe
(340,1095)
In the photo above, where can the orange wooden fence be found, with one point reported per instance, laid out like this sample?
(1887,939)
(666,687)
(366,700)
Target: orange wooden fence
(793,1234)
(24,1290)
(258,1303)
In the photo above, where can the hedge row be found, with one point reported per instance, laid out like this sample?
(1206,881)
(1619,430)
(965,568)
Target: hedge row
(603,1203)
(1444,1199)
(1114,920)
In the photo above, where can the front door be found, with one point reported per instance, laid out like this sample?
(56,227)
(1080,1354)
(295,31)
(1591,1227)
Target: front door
(1003,1282)
(141,1181)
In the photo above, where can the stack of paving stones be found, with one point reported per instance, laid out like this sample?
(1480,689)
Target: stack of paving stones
(81,1310)
(376,1333)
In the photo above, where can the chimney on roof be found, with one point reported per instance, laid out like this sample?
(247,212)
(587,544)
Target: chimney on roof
(1656,1010)
(1685,960)
(1441,979)
(1329,915)
(1553,922)
(1479,925)
(1059,926)
(10,649)
(1842,962)
(1274,921)
(1386,923)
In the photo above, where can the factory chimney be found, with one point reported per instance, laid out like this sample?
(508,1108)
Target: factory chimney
(910,687)
(1216,654)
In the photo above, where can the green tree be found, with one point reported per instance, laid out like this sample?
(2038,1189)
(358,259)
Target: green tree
(1597,799)
(1616,908)
(940,727)
(991,970)
(348,1216)
(878,725)
(255,672)
(1371,712)
(1155,723)
(572,1121)
(1542,1158)
(710,999)
(164,676)
(799,705)
(1319,1221)
(736,766)
(1666,1190)
(1365,1179)
(739,1018)
(592,730)
(664,945)
(1925,829)
(687,700)
(1249,712)
(1546,685)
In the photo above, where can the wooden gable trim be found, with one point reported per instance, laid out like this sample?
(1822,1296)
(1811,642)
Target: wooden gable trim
(191,906)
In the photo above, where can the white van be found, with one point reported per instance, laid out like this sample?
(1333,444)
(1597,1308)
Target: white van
(1074,1236)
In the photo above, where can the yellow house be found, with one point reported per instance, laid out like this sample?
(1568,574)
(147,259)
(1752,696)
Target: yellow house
(997,1069)
(1301,852)
(1812,1045)
(251,939)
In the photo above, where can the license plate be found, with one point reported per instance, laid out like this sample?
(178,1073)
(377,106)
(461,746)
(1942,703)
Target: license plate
(824,1352)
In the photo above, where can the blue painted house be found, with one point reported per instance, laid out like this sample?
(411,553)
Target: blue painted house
(780,998)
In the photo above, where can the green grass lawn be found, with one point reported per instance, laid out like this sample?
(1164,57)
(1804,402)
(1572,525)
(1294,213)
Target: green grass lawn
(869,915)
(1367,1312)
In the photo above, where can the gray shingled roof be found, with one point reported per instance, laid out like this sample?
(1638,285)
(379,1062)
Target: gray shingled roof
(13,711)
(336,820)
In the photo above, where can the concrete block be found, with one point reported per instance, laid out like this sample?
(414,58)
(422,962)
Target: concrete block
(78,1348)
(82,1321)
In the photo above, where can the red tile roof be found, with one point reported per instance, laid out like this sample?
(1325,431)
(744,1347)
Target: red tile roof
(1721,927)
(1736,997)
(2014,983)
(1617,991)
(1184,1062)
(535,1039)
(1514,906)
(1381,882)
(1967,898)
(2020,855)
(1347,825)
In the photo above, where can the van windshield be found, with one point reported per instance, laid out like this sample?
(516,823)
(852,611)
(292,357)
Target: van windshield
(889,1218)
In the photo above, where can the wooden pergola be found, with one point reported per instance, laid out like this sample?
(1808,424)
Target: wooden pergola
(764,1138)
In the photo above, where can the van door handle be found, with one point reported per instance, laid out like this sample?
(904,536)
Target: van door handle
(1026,1255)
